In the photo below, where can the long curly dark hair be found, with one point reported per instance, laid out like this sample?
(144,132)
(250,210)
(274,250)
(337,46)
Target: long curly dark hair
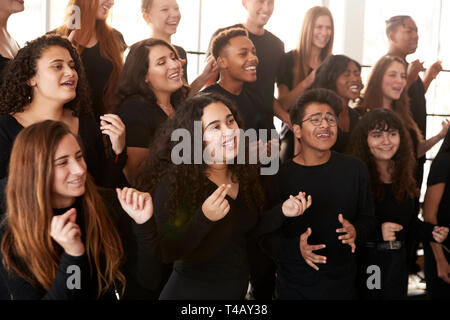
(16,94)
(132,80)
(188,183)
(403,162)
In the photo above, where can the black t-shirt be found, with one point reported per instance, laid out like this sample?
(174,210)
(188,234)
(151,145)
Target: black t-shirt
(141,120)
(270,51)
(339,186)
(98,70)
(3,63)
(140,268)
(440,173)
(249,106)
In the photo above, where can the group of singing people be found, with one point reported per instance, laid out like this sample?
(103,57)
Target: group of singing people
(102,199)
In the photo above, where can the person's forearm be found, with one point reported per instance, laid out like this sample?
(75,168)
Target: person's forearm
(426,145)
(197,84)
(438,252)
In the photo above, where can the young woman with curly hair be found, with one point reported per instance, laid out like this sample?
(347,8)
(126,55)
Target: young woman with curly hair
(342,75)
(63,238)
(101,48)
(150,88)
(46,81)
(207,204)
(383,143)
(386,88)
(315,43)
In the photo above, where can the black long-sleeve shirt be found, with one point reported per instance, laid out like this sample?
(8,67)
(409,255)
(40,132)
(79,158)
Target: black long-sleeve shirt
(210,258)
(141,269)
(339,186)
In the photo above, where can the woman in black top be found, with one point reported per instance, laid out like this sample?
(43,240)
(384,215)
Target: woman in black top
(62,237)
(46,81)
(342,75)
(8,46)
(382,142)
(101,48)
(205,212)
(436,210)
(150,88)
(163,17)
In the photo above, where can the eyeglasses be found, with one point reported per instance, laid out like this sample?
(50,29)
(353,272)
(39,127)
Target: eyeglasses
(316,119)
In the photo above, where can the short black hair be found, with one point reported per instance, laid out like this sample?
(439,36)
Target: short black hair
(318,95)
(394,22)
(221,40)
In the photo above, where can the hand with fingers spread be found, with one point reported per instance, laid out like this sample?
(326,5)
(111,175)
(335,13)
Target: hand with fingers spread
(66,232)
(296,206)
(138,205)
(388,230)
(350,232)
(307,251)
(216,206)
(114,128)
(440,234)
(210,68)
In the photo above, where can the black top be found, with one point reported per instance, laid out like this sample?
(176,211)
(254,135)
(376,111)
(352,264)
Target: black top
(211,256)
(98,70)
(343,137)
(270,51)
(440,173)
(418,105)
(339,186)
(138,267)
(141,120)
(249,105)
(389,210)
(3,63)
(182,53)
(89,132)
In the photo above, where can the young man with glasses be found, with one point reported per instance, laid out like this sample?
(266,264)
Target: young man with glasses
(315,253)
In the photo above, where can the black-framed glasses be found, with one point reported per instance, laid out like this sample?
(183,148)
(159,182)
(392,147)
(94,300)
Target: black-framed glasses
(316,119)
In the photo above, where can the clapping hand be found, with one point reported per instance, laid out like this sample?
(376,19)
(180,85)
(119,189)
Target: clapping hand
(350,232)
(307,251)
(216,206)
(66,232)
(296,206)
(440,234)
(112,126)
(138,205)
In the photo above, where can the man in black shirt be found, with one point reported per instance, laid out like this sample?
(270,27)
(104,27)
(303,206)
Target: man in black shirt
(270,51)
(340,217)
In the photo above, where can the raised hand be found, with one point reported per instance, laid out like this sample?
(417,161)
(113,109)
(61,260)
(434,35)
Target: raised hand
(138,205)
(433,71)
(307,251)
(216,206)
(296,206)
(112,126)
(388,230)
(65,231)
(413,71)
(444,130)
(440,234)
(350,232)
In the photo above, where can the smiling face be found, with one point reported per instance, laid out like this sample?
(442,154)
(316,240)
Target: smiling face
(319,138)
(383,145)
(322,32)
(69,173)
(349,83)
(258,11)
(163,16)
(220,133)
(104,6)
(239,59)
(164,72)
(56,78)
(393,82)
(406,37)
